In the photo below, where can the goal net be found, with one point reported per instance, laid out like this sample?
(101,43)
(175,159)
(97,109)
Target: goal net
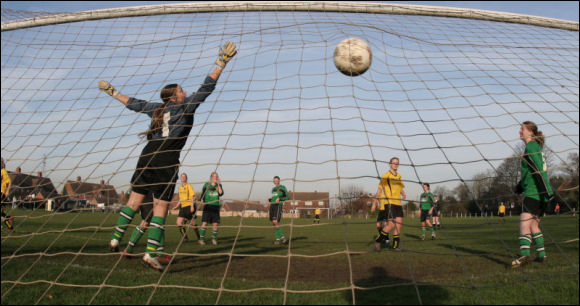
(446,93)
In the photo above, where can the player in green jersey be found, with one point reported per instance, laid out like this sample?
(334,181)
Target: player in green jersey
(427,202)
(279,195)
(210,200)
(537,192)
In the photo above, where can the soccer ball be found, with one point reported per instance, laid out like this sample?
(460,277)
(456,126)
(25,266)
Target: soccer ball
(352,57)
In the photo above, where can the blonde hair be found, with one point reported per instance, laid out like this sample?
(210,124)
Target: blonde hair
(538,135)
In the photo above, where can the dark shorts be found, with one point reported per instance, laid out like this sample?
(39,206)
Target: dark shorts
(275,212)
(185,212)
(424,215)
(502,215)
(211,214)
(317,217)
(534,207)
(157,171)
(435,213)
(390,212)
(146,211)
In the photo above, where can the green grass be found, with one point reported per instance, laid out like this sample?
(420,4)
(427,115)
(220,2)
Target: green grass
(467,264)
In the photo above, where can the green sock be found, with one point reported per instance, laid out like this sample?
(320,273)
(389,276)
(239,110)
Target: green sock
(280,233)
(202,234)
(525,243)
(214,234)
(156,233)
(125,218)
(432,229)
(277,233)
(423,231)
(539,240)
(135,236)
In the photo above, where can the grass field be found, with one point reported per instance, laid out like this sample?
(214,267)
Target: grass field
(467,264)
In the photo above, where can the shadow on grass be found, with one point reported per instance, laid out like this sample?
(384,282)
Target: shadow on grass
(393,290)
(479,253)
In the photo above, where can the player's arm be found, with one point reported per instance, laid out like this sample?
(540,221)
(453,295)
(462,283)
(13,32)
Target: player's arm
(376,200)
(113,92)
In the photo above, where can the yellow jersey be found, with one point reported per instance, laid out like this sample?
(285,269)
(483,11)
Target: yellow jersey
(317,211)
(186,193)
(391,186)
(5,181)
(502,209)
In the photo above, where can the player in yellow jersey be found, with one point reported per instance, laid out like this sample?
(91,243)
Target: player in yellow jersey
(187,209)
(388,198)
(501,212)
(317,215)
(6,183)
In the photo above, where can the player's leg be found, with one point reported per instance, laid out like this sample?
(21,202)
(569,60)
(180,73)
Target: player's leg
(397,226)
(214,233)
(156,239)
(136,235)
(431,229)
(525,239)
(180,226)
(125,218)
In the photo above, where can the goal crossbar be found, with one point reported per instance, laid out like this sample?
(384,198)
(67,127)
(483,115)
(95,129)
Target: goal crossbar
(310,6)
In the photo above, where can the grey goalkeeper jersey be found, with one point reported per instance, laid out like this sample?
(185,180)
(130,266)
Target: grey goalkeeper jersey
(178,117)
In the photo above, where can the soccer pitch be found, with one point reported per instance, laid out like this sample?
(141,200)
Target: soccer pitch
(468,263)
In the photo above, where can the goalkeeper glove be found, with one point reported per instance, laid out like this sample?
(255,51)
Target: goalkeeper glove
(226,54)
(109,89)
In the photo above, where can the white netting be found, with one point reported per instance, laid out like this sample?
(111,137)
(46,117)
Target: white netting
(445,95)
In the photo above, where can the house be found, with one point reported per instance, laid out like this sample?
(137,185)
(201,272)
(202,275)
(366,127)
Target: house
(92,193)
(236,205)
(306,202)
(30,190)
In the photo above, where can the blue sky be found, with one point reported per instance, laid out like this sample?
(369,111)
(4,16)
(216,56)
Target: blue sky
(433,114)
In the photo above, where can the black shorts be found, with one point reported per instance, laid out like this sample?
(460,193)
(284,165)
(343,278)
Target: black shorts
(275,212)
(157,170)
(435,213)
(316,216)
(211,214)
(146,211)
(390,212)
(534,207)
(502,215)
(185,212)
(424,215)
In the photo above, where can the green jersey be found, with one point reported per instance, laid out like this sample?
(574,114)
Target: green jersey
(427,200)
(535,182)
(211,195)
(279,192)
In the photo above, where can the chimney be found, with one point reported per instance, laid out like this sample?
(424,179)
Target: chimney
(102,182)
(18,170)
(39,174)
(78,179)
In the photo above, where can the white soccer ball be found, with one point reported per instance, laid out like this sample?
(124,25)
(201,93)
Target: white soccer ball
(352,57)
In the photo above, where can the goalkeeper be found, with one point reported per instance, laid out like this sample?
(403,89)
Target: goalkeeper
(279,195)
(535,186)
(158,165)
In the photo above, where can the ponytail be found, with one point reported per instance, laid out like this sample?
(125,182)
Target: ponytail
(157,119)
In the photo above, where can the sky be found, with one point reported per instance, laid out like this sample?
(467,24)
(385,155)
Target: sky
(271,114)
